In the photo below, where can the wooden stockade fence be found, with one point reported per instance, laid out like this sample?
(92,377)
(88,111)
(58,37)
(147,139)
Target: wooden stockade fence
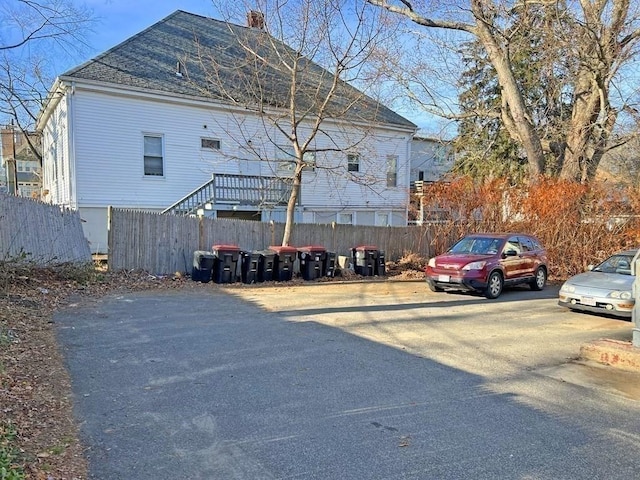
(164,244)
(41,233)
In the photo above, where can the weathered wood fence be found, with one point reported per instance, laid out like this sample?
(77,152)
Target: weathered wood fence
(163,244)
(41,233)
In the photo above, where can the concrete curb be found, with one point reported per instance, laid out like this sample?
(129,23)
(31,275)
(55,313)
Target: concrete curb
(615,353)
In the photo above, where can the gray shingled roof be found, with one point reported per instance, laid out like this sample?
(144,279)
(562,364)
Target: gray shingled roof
(149,60)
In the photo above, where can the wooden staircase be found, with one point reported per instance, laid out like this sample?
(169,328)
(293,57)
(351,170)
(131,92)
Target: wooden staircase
(228,189)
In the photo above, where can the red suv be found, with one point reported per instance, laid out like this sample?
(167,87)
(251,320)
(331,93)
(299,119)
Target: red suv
(486,262)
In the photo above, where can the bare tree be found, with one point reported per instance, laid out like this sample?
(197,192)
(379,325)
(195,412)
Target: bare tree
(599,37)
(295,70)
(35,35)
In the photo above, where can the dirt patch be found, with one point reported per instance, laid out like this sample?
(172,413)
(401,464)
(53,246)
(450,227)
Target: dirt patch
(35,388)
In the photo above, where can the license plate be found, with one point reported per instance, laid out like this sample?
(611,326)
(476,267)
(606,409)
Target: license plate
(589,301)
(444,278)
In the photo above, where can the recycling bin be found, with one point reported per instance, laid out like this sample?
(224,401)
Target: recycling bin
(249,267)
(202,269)
(380,269)
(284,260)
(266,265)
(329,265)
(365,258)
(312,259)
(226,264)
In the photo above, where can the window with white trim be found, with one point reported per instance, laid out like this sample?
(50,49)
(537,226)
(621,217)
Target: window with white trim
(286,161)
(286,158)
(392,170)
(345,218)
(353,162)
(209,144)
(153,156)
(382,219)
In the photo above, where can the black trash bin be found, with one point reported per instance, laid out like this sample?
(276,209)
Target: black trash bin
(365,258)
(266,265)
(329,267)
(250,267)
(283,262)
(226,264)
(202,269)
(312,259)
(380,264)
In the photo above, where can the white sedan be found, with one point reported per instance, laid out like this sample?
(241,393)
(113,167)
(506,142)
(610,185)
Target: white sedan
(605,288)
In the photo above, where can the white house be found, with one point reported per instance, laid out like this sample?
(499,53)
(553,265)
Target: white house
(132,129)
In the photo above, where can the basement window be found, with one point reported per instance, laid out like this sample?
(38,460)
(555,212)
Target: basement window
(210,144)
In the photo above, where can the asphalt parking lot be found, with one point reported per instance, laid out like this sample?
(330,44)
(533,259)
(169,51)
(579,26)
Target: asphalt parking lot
(520,331)
(357,380)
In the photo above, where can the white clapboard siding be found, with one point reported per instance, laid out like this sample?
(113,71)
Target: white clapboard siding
(109,133)
(57,182)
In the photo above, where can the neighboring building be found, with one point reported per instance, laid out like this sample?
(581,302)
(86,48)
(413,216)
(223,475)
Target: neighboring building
(20,164)
(132,129)
(3,175)
(431,161)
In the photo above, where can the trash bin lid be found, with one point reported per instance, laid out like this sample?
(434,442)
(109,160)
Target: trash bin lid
(365,247)
(281,249)
(203,254)
(227,248)
(312,248)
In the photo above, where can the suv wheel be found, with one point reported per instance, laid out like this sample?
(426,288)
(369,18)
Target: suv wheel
(494,285)
(540,279)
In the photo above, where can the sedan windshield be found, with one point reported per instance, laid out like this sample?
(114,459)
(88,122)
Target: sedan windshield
(615,264)
(477,245)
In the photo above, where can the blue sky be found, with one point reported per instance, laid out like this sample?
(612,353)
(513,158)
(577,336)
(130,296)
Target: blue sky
(118,20)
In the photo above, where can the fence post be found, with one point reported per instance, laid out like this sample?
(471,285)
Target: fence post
(272,226)
(201,232)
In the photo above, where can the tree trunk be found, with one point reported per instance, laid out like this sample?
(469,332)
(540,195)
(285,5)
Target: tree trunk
(291,205)
(522,129)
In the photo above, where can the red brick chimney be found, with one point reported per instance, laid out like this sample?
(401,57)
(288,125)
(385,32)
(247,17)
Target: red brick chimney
(255,19)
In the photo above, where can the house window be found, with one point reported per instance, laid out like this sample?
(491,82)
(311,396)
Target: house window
(345,218)
(286,158)
(392,170)
(309,161)
(153,158)
(382,219)
(210,143)
(286,161)
(353,162)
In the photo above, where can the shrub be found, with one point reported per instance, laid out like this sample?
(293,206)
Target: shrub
(578,224)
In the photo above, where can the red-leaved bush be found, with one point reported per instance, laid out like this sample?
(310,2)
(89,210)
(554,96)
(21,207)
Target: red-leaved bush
(578,224)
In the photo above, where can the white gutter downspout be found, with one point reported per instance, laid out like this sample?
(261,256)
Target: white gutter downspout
(73,199)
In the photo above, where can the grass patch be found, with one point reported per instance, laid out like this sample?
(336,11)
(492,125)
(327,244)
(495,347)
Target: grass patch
(10,465)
